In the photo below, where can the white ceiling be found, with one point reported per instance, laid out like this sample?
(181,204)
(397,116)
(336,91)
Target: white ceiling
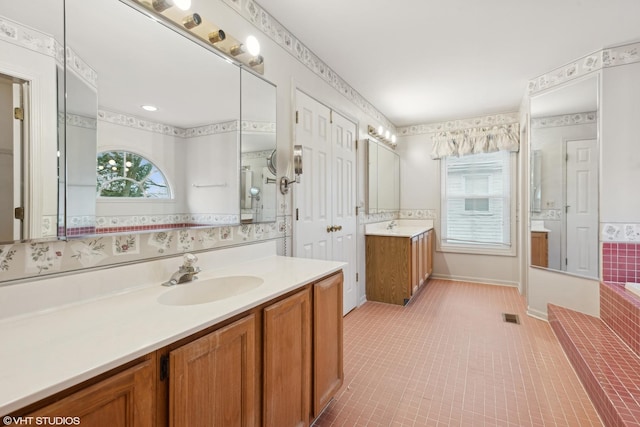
(426,61)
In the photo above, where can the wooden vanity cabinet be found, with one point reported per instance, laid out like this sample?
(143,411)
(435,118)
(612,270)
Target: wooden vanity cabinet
(278,364)
(397,267)
(126,399)
(540,248)
(287,361)
(213,379)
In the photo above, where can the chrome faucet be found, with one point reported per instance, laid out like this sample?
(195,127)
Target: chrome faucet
(392,225)
(186,273)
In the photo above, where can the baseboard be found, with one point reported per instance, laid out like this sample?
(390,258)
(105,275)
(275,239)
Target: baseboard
(540,315)
(478,280)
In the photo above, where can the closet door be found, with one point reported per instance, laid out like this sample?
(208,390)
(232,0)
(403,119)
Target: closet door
(312,195)
(344,202)
(325,223)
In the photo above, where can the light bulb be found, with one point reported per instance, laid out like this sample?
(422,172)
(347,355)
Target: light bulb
(380,130)
(393,139)
(128,164)
(182,4)
(112,162)
(114,168)
(253,46)
(100,167)
(387,134)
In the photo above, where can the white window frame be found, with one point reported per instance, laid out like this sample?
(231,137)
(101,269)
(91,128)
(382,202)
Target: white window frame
(480,248)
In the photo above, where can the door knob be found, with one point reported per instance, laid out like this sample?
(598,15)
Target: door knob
(330,228)
(338,228)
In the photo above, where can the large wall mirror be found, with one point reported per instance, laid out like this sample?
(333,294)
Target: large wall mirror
(31,128)
(563,178)
(383,178)
(153,126)
(258,154)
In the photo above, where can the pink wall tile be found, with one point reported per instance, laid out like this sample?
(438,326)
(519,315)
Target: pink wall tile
(620,262)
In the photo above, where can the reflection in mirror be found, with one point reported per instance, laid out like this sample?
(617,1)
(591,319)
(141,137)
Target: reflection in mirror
(161,102)
(383,178)
(564,178)
(258,153)
(31,55)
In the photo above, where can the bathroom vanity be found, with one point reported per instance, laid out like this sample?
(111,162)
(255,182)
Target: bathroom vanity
(399,259)
(268,354)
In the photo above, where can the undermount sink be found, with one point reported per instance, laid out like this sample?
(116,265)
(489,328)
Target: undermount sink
(208,290)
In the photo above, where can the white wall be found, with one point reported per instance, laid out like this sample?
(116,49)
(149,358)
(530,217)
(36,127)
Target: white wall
(420,189)
(212,162)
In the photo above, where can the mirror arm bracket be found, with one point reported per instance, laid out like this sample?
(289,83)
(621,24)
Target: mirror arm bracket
(285,181)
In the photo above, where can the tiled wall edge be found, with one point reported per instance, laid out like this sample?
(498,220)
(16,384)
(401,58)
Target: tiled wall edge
(620,232)
(23,261)
(611,57)
(482,121)
(259,17)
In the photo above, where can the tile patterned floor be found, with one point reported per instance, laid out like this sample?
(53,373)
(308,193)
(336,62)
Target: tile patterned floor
(448,359)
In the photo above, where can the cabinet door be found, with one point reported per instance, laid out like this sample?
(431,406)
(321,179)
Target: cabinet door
(430,243)
(287,361)
(212,379)
(124,400)
(539,249)
(327,341)
(415,264)
(422,258)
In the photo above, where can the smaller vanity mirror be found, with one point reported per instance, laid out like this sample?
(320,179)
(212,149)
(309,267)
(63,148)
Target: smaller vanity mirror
(563,179)
(258,183)
(31,108)
(383,178)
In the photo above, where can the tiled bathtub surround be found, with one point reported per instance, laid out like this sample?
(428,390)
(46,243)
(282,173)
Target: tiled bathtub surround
(620,262)
(620,310)
(608,369)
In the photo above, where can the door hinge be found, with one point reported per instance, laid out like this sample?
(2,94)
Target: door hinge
(330,116)
(357,210)
(566,261)
(357,277)
(18,113)
(566,157)
(164,367)
(18,213)
(356,144)
(296,116)
(297,214)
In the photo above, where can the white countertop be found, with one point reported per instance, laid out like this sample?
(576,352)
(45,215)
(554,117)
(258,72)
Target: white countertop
(404,228)
(44,353)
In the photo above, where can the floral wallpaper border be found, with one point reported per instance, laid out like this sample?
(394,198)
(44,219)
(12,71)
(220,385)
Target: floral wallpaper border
(620,232)
(31,39)
(611,57)
(21,261)
(548,215)
(258,16)
(81,121)
(564,120)
(127,120)
(481,121)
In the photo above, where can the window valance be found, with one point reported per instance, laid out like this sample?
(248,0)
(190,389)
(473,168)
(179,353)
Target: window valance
(476,140)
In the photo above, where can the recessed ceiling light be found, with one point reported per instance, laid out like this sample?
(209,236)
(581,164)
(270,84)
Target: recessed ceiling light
(150,108)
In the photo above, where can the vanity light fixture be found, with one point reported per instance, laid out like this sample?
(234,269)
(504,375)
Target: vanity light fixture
(217,36)
(191,21)
(382,135)
(256,60)
(234,51)
(162,5)
(250,46)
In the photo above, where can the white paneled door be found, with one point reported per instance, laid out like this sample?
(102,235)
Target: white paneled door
(582,207)
(325,223)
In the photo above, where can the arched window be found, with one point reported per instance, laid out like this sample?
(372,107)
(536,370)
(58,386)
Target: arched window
(126,174)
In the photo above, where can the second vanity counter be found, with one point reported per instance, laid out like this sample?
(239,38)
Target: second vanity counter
(44,353)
